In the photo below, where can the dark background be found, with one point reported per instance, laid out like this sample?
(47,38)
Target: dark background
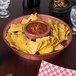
(73,0)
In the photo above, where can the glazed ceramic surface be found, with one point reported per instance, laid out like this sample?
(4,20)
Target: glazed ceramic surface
(34,36)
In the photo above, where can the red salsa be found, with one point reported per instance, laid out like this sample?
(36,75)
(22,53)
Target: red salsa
(36,28)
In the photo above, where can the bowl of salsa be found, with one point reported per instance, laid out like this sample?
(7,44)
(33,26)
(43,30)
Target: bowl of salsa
(36,29)
(59,8)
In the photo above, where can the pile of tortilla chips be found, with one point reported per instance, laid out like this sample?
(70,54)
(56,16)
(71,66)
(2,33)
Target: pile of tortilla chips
(17,38)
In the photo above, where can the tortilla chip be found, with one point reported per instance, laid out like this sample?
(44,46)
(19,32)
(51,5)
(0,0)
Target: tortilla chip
(34,17)
(58,47)
(19,25)
(38,48)
(19,37)
(50,23)
(45,43)
(66,29)
(52,40)
(46,50)
(20,41)
(62,26)
(43,39)
(61,34)
(56,28)
(55,22)
(15,28)
(24,21)
(32,47)
(9,39)
(22,47)
(55,34)
(66,36)
(67,33)
(57,43)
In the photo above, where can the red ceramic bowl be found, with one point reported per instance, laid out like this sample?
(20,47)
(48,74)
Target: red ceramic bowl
(37,56)
(34,36)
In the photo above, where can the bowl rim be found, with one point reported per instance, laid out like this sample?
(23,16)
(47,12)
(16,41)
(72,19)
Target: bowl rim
(37,55)
(35,35)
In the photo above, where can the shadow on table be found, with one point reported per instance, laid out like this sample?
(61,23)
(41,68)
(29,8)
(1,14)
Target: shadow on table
(5,55)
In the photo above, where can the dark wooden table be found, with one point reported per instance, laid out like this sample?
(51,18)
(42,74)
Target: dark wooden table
(12,63)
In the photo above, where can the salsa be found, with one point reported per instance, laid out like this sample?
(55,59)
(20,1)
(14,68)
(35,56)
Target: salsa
(36,28)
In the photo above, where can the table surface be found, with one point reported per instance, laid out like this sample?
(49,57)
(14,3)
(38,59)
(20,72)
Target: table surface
(12,63)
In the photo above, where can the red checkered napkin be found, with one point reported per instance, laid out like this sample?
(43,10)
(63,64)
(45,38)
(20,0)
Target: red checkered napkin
(48,69)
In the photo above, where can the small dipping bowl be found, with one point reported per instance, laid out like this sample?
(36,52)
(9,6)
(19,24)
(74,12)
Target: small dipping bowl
(59,12)
(36,29)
